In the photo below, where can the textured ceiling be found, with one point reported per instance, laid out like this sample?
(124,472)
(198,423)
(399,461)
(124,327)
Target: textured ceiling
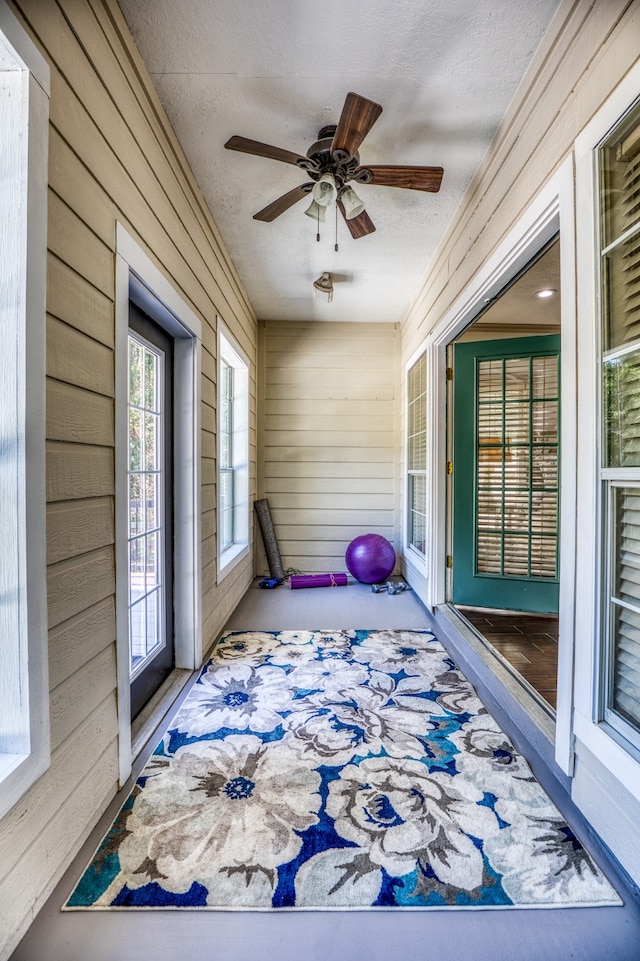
(277,70)
(518,306)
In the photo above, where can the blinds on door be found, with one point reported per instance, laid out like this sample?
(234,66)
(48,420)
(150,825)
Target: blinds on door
(620,232)
(517,474)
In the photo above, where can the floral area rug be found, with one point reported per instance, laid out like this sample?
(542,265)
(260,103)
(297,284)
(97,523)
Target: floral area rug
(337,769)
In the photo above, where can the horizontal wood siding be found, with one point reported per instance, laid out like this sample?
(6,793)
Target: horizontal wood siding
(329,431)
(112,157)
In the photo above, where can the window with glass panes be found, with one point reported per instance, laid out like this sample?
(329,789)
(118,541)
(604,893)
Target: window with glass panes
(226,455)
(233,452)
(146,499)
(417,455)
(619,185)
(516,492)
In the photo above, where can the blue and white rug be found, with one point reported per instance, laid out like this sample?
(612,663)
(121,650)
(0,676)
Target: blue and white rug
(337,769)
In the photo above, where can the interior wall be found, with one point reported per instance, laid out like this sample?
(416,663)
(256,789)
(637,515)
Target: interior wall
(587,51)
(329,436)
(113,157)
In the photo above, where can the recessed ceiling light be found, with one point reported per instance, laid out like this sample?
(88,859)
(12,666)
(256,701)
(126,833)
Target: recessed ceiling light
(546,292)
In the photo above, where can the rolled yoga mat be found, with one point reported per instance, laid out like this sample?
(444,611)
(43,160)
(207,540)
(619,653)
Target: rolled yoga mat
(274,561)
(317,580)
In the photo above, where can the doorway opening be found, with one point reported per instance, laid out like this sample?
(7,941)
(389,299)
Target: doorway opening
(503,490)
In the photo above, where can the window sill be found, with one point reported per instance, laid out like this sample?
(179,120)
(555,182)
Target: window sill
(230,558)
(619,760)
(9,762)
(417,558)
(18,772)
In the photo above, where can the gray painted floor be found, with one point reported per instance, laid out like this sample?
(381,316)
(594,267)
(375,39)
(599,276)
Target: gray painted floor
(582,934)
(328,608)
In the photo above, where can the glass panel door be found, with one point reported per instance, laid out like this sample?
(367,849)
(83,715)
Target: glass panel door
(517,467)
(146,535)
(150,508)
(506,443)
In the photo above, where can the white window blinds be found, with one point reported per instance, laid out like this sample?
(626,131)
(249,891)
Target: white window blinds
(620,273)
(516,514)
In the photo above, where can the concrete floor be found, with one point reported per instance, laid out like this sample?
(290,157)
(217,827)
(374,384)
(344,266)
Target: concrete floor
(581,934)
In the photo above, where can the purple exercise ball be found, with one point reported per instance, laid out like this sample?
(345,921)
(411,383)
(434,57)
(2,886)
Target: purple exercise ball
(370,558)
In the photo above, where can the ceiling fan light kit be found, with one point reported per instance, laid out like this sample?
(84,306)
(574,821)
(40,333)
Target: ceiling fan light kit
(316,211)
(332,161)
(353,206)
(325,192)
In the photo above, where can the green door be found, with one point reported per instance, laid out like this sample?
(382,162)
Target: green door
(505,473)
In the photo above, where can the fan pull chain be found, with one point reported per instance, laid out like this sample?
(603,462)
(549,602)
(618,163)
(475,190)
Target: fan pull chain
(318,216)
(336,245)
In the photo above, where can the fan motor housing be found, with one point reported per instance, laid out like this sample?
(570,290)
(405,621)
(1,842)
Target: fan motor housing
(320,154)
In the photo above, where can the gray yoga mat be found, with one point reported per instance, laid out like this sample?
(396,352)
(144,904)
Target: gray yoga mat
(261,508)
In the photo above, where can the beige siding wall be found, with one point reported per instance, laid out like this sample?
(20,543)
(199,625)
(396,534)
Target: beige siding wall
(329,434)
(112,157)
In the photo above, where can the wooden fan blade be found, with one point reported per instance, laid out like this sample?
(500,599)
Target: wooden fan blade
(411,178)
(265,150)
(358,226)
(283,203)
(356,120)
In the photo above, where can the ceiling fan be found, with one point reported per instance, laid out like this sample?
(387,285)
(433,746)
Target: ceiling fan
(333,161)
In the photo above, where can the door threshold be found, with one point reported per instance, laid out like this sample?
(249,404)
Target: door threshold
(531,728)
(499,610)
(154,712)
(538,710)
(511,666)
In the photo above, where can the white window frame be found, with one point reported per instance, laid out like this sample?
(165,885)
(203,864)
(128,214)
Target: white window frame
(618,727)
(600,739)
(225,463)
(159,433)
(611,478)
(230,351)
(138,279)
(416,564)
(551,211)
(420,556)
(24,684)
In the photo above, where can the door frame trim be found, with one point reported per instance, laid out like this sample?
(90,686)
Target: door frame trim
(138,279)
(552,211)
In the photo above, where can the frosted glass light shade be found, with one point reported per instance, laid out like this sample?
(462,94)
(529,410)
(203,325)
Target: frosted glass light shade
(324,191)
(316,211)
(353,206)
